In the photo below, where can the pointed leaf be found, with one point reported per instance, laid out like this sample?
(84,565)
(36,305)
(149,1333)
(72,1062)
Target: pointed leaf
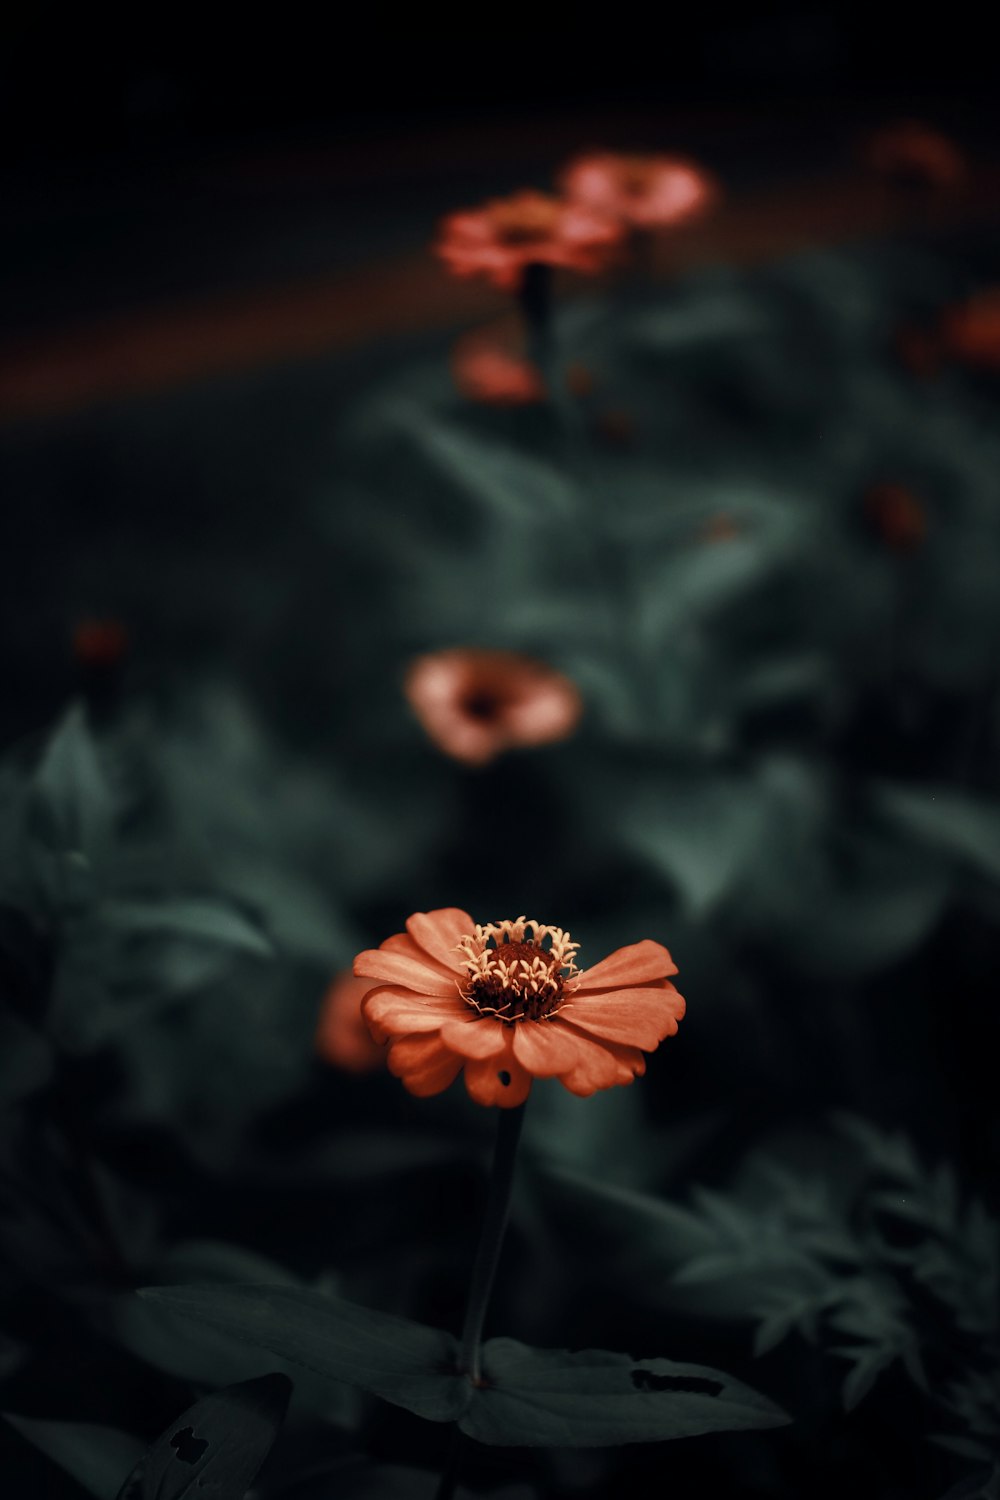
(538,1397)
(510,483)
(957,824)
(97,1457)
(203,919)
(72,806)
(405,1363)
(217,1446)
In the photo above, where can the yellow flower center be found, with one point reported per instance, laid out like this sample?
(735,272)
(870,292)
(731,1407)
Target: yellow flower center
(512,975)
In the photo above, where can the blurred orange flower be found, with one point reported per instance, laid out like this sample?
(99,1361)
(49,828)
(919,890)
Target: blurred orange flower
(971,331)
(504,236)
(918,350)
(342,1036)
(506,1002)
(648,192)
(486,366)
(476,703)
(99,643)
(916,154)
(897,516)
(721,528)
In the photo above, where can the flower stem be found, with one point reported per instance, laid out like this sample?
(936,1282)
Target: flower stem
(490,1241)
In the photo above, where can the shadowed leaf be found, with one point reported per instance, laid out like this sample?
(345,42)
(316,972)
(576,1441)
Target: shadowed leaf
(405,1363)
(97,1457)
(216,1447)
(538,1397)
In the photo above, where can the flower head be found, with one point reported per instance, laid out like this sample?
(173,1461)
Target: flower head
(914,154)
(476,703)
(648,192)
(970,332)
(342,1036)
(504,236)
(99,643)
(896,515)
(507,1002)
(488,367)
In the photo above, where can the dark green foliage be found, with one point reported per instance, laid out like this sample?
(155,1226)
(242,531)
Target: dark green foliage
(218,1445)
(786,771)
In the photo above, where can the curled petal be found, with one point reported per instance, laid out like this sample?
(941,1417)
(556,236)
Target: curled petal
(635,964)
(640,1017)
(475,1037)
(401,942)
(498,1080)
(546,1049)
(391,1011)
(602,1065)
(389,966)
(438,933)
(424,1063)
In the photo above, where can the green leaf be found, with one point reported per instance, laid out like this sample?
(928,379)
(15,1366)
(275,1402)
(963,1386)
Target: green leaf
(595,1398)
(509,483)
(97,1457)
(25,1060)
(954,823)
(216,1446)
(204,919)
(405,1363)
(72,805)
(701,831)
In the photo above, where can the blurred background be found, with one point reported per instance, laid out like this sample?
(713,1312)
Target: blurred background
(243,492)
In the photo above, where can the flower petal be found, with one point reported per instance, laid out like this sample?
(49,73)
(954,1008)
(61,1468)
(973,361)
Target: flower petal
(401,942)
(438,933)
(498,1080)
(601,1066)
(636,1018)
(475,1037)
(424,1063)
(392,1012)
(392,967)
(546,1049)
(634,964)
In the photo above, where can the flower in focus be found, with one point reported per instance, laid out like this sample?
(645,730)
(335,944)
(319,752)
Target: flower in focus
(506,1002)
(647,192)
(897,516)
(476,703)
(504,236)
(342,1036)
(970,332)
(486,366)
(914,154)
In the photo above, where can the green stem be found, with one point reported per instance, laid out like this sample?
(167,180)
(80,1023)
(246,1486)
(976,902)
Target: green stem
(490,1241)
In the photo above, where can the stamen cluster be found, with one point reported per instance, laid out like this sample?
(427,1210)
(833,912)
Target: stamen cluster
(511,975)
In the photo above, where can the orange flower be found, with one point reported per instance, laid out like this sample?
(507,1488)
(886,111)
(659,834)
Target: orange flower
(648,192)
(918,350)
(504,236)
(487,367)
(99,643)
(721,528)
(506,1002)
(342,1036)
(897,516)
(476,703)
(971,331)
(916,154)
